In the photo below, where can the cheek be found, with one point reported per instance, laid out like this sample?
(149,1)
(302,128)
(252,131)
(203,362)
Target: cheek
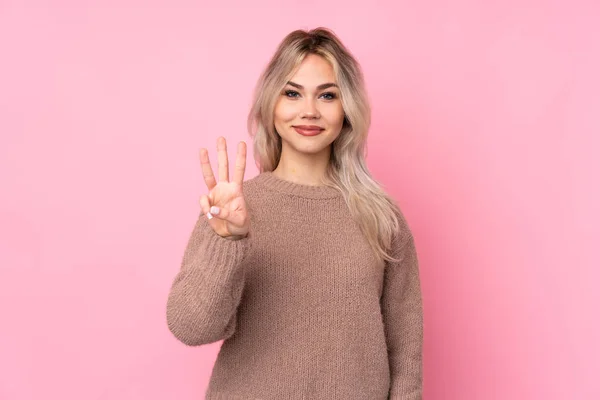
(284,112)
(335,115)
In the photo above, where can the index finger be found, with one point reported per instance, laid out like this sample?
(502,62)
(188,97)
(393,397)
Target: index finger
(207,172)
(240,163)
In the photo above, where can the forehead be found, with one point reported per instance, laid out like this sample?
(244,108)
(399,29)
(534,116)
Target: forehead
(313,71)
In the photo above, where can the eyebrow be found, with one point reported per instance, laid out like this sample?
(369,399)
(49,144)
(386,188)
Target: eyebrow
(320,87)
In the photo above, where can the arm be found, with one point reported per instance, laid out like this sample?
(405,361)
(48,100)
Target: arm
(403,320)
(205,294)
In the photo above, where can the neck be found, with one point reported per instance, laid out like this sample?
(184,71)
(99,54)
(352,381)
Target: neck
(301,168)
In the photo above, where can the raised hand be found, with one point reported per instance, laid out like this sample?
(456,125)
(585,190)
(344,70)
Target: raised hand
(224,204)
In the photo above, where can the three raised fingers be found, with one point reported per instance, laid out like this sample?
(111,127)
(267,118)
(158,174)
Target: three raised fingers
(223,164)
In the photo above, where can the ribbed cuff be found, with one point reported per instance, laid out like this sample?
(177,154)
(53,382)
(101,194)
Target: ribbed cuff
(220,256)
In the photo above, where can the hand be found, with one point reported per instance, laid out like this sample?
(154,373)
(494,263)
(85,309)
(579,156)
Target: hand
(230,218)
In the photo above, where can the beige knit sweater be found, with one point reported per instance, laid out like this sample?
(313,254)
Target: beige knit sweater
(303,307)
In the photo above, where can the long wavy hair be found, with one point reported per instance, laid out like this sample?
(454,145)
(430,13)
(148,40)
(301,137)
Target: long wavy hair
(374,211)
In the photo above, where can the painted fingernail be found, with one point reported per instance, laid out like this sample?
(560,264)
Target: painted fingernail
(209,216)
(215,210)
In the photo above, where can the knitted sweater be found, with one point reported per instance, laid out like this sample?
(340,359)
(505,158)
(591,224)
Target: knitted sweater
(303,306)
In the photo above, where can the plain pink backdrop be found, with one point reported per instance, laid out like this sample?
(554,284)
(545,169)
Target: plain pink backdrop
(485,129)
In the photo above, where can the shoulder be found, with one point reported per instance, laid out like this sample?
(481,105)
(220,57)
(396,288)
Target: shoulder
(403,233)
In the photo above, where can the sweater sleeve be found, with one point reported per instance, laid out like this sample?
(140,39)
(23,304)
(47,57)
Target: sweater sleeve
(403,321)
(205,293)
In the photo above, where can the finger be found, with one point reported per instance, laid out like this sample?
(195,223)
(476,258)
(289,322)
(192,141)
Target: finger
(207,172)
(225,214)
(204,204)
(221,213)
(222,157)
(240,163)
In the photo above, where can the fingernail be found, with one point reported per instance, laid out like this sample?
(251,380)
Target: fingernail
(209,216)
(215,210)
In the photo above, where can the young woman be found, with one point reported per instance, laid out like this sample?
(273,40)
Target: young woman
(308,271)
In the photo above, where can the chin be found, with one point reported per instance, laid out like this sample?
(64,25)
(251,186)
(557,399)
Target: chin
(309,149)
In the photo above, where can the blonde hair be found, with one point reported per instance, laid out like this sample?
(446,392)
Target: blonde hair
(374,211)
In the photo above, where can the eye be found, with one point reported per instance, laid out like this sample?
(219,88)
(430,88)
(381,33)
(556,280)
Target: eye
(329,95)
(291,93)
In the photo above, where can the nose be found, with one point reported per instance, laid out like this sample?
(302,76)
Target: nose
(310,110)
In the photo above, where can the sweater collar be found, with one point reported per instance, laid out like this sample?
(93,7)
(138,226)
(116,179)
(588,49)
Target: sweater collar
(270,181)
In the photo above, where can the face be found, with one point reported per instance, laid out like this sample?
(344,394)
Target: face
(310,100)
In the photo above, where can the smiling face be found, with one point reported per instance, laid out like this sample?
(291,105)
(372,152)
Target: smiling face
(311,99)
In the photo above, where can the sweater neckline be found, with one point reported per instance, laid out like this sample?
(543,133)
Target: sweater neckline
(273,182)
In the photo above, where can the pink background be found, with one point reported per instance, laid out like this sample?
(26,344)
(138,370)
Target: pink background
(485,129)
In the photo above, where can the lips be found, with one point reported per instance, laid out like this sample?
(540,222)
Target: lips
(308,130)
